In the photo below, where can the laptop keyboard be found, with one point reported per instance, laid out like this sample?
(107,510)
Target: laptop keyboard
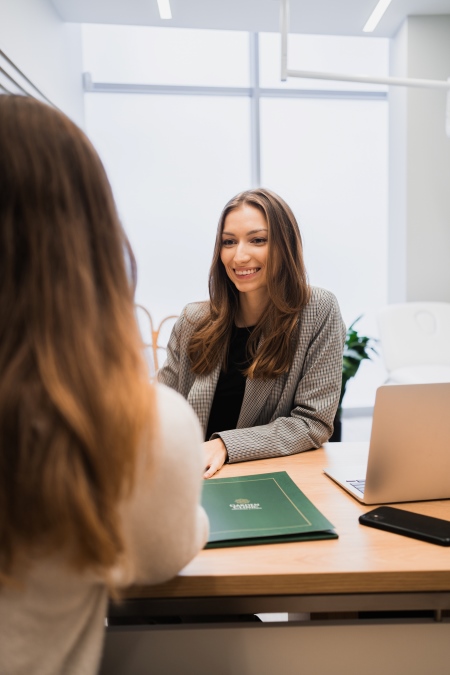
(358,484)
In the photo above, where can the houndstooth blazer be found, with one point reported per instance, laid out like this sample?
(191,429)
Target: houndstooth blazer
(282,416)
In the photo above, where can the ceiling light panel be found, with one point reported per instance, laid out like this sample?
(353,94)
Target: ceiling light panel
(164,9)
(376,15)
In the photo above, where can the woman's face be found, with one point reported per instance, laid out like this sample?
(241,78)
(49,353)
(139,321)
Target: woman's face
(244,251)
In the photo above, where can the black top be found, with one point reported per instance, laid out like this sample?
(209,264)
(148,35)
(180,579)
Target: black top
(229,394)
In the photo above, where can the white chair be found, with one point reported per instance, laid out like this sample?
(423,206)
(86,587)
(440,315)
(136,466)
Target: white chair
(152,343)
(415,342)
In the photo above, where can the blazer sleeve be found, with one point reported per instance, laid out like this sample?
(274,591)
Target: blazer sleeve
(164,524)
(309,421)
(176,372)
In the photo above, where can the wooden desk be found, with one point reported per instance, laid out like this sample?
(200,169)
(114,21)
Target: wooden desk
(365,569)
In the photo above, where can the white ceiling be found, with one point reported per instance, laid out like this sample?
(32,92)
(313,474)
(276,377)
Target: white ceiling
(333,17)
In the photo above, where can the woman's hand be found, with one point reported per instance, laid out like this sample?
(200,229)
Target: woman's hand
(216,455)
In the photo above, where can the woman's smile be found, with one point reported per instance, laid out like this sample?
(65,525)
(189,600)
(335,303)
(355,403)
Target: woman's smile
(247,273)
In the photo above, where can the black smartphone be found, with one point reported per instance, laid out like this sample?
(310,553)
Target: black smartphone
(433,530)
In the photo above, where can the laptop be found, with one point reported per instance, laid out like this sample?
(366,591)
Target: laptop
(409,450)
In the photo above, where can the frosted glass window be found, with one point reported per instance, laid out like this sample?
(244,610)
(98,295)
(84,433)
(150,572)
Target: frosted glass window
(170,56)
(329,160)
(173,163)
(324,53)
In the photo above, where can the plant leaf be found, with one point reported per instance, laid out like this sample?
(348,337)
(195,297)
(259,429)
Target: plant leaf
(357,348)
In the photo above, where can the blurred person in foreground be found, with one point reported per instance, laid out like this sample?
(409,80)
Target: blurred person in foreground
(100,472)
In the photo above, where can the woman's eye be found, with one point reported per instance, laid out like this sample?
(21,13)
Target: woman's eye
(259,240)
(227,242)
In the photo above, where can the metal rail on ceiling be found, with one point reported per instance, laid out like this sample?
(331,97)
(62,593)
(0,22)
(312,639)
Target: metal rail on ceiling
(343,77)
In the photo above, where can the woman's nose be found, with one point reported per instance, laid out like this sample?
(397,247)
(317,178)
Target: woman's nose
(241,253)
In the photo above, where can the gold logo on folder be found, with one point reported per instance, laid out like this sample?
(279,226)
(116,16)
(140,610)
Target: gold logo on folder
(243,505)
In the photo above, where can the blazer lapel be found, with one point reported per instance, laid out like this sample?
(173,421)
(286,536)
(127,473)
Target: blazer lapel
(255,396)
(201,395)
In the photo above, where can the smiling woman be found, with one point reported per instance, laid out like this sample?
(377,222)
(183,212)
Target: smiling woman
(261,362)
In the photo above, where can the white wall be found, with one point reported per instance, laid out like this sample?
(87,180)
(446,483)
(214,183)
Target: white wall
(46,50)
(397,171)
(420,165)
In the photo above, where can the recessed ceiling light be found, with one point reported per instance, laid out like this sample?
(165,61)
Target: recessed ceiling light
(376,15)
(164,9)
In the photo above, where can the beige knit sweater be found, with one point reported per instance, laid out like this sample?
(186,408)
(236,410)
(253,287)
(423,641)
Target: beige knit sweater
(54,624)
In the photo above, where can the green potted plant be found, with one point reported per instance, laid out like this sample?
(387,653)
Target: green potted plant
(356,348)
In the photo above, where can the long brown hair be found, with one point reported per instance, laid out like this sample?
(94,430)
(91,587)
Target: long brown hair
(74,394)
(287,287)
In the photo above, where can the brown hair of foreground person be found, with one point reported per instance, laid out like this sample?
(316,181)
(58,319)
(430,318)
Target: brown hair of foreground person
(74,393)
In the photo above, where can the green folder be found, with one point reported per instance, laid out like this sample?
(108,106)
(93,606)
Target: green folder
(261,509)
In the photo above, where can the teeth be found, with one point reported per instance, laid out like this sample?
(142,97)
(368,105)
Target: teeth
(244,273)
